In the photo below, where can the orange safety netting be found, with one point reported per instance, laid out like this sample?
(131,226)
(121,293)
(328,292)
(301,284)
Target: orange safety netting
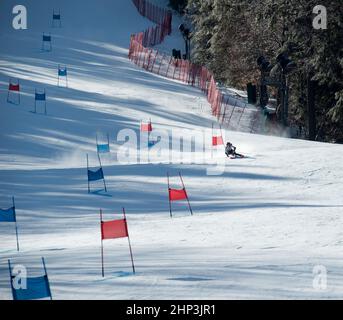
(141,53)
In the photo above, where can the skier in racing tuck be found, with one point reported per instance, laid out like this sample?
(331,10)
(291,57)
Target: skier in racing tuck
(230,151)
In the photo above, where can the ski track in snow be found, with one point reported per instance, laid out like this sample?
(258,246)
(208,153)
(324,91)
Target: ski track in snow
(257,231)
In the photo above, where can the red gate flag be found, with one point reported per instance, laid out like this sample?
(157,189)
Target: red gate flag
(178,194)
(114,229)
(216,141)
(175,194)
(146,127)
(14,87)
(13,94)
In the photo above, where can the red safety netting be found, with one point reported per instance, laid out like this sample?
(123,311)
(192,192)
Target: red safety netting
(14,87)
(154,13)
(175,194)
(178,69)
(162,17)
(141,53)
(113,229)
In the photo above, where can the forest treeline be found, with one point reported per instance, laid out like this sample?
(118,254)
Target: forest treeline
(229,35)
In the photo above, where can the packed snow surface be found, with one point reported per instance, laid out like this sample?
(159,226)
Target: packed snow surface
(259,230)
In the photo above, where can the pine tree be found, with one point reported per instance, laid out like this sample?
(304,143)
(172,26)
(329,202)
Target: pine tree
(229,35)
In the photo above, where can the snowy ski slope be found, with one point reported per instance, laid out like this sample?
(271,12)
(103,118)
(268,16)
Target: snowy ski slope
(258,229)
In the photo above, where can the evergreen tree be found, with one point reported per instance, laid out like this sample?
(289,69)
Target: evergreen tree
(229,35)
(178,5)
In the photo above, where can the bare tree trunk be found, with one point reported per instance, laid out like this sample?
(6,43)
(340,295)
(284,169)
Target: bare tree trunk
(311,108)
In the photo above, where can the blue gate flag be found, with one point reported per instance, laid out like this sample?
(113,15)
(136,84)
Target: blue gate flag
(7,215)
(40,96)
(103,148)
(62,72)
(95,175)
(37,288)
(56,16)
(46,38)
(151,143)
